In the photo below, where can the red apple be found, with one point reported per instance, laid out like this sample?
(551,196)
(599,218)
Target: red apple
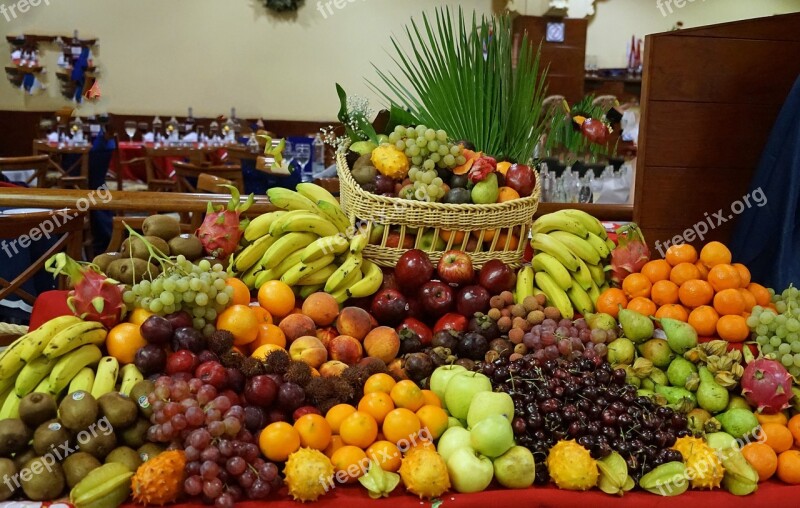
(595,131)
(455,267)
(413,269)
(472,299)
(389,307)
(437,298)
(497,277)
(393,241)
(522,179)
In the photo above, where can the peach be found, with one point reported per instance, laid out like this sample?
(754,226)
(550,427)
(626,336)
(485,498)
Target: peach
(382,342)
(309,350)
(322,308)
(297,325)
(346,349)
(326,335)
(396,369)
(332,368)
(355,322)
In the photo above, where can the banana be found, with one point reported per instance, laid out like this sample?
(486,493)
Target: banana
(259,226)
(32,374)
(304,222)
(6,385)
(316,193)
(594,292)
(289,200)
(558,221)
(610,244)
(358,242)
(249,277)
(589,221)
(253,253)
(318,277)
(334,244)
(276,273)
(83,381)
(546,243)
(44,387)
(104,487)
(668,479)
(30,345)
(130,376)
(341,295)
(598,274)
(70,364)
(581,301)
(64,343)
(284,246)
(335,214)
(524,287)
(106,378)
(557,297)
(301,269)
(10,361)
(306,291)
(544,262)
(352,278)
(578,246)
(10,407)
(276,228)
(370,283)
(582,275)
(599,245)
(352,262)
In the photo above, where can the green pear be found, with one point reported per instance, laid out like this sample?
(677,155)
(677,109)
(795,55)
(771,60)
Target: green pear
(738,422)
(720,440)
(711,396)
(636,327)
(621,352)
(657,351)
(737,401)
(515,469)
(681,336)
(485,192)
(675,395)
(601,321)
(679,371)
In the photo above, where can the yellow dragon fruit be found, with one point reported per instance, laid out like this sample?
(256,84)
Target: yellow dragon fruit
(159,480)
(390,161)
(702,463)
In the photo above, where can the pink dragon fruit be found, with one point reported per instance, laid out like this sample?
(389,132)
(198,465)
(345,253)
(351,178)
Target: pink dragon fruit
(631,253)
(767,385)
(94,296)
(221,229)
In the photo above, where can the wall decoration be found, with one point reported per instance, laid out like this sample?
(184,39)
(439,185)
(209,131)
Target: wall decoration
(283,5)
(26,68)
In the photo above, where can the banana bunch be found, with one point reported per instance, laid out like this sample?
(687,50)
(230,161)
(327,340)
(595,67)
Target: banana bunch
(571,248)
(309,244)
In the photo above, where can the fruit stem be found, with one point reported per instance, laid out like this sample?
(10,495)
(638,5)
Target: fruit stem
(154,252)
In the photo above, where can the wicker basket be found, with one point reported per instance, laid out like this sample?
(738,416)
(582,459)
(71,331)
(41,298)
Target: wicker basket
(493,231)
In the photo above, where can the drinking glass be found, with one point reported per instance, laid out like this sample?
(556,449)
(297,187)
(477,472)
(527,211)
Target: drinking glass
(288,154)
(303,156)
(130,129)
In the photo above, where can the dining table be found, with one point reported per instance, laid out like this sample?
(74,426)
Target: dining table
(161,156)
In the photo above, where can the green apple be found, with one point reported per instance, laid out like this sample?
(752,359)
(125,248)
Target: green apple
(461,389)
(486,404)
(427,244)
(363,147)
(454,422)
(441,376)
(469,471)
(453,439)
(492,436)
(515,469)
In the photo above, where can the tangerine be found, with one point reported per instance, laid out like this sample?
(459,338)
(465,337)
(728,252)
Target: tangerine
(262,314)
(794,427)
(744,274)
(664,292)
(268,333)
(506,194)
(431,399)
(763,459)
(241,321)
(636,285)
(762,294)
(277,297)
(337,414)
(278,440)
(335,444)
(674,311)
(401,424)
(123,341)
(703,270)
(779,418)
(359,429)
(656,270)
(386,454)
(434,419)
(724,276)
(379,383)
(260,353)
(683,272)
(729,302)
(715,253)
(138,316)
(610,300)
(681,253)
(643,306)
(351,460)
(406,394)
(377,405)
(314,430)
(241,293)
(789,467)
(733,328)
(749,299)
(776,436)
(704,320)
(695,293)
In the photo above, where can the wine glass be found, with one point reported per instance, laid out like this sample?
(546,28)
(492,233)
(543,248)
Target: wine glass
(288,154)
(130,129)
(303,156)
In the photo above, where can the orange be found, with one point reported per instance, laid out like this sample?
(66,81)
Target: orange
(279,440)
(636,285)
(138,316)
(241,293)
(656,270)
(379,383)
(704,320)
(261,352)
(431,399)
(359,429)
(749,299)
(351,460)
(315,431)
(610,300)
(703,270)
(262,314)
(724,276)
(335,444)
(407,394)
(674,311)
(458,236)
(268,334)
(729,302)
(776,436)
(761,293)
(763,459)
(643,306)
(434,419)
(683,272)
(694,293)
(744,274)
(337,414)
(123,341)
(401,426)
(502,240)
(241,321)
(733,328)
(789,467)
(715,253)
(277,297)
(681,253)
(386,454)
(779,418)
(506,194)
(794,428)
(664,292)
(377,405)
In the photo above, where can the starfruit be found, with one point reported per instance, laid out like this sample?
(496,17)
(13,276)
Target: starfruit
(379,483)
(668,479)
(614,477)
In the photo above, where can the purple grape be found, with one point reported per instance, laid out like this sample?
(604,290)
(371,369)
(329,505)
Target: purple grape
(226,448)
(551,352)
(232,426)
(599,336)
(195,416)
(565,347)
(224,501)
(206,394)
(236,466)
(268,472)
(193,485)
(209,470)
(247,479)
(179,422)
(222,403)
(212,488)
(211,453)
(191,453)
(216,428)
(600,350)
(259,490)
(213,415)
(199,438)
(548,338)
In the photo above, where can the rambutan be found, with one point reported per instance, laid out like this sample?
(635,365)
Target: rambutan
(319,389)
(220,342)
(231,359)
(344,391)
(251,367)
(277,362)
(298,373)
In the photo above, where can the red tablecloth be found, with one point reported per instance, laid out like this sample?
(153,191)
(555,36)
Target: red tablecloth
(128,151)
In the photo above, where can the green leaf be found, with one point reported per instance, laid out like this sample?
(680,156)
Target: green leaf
(399,116)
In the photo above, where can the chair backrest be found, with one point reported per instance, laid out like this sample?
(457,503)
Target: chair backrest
(37,163)
(157,177)
(188,174)
(605,101)
(20,229)
(212,184)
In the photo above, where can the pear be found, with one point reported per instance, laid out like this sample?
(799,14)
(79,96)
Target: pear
(600,321)
(681,336)
(675,395)
(485,192)
(621,352)
(657,351)
(738,422)
(679,371)
(659,377)
(737,401)
(697,419)
(637,328)
(711,396)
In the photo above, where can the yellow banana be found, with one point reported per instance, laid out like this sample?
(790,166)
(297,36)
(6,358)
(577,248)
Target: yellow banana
(546,243)
(316,193)
(558,221)
(598,273)
(352,278)
(335,214)
(358,242)
(524,286)
(352,262)
(130,376)
(610,244)
(83,381)
(334,244)
(253,253)
(301,269)
(276,273)
(250,276)
(544,262)
(284,246)
(10,407)
(581,301)
(259,226)
(70,364)
(304,222)
(318,277)
(106,378)
(582,275)
(590,222)
(306,291)
(555,295)
(594,293)
(40,338)
(289,200)
(370,283)
(69,340)
(599,245)
(578,246)
(32,374)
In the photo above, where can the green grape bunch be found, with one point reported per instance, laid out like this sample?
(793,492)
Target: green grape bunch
(778,333)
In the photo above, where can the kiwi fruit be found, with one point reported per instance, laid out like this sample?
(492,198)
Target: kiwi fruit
(148,451)
(24,456)
(36,408)
(7,470)
(103,260)
(126,456)
(131,270)
(50,434)
(77,466)
(98,444)
(186,244)
(139,394)
(78,410)
(45,482)
(159,244)
(162,226)
(14,436)
(135,435)
(119,410)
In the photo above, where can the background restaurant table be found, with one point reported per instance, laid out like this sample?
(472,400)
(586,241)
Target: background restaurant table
(129,150)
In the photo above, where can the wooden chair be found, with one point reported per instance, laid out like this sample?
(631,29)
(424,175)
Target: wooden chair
(37,163)
(187,172)
(605,101)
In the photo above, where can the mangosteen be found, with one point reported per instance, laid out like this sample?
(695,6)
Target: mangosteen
(473,345)
(352,157)
(446,338)
(418,366)
(369,187)
(458,196)
(484,325)
(503,346)
(459,181)
(409,343)
(466,363)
